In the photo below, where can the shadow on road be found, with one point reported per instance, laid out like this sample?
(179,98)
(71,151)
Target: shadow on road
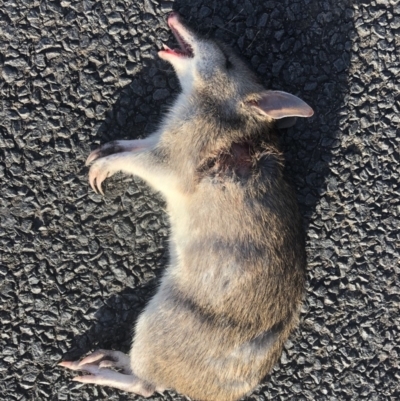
(114,322)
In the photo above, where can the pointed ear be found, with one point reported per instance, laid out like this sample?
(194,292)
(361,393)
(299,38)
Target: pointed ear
(278,104)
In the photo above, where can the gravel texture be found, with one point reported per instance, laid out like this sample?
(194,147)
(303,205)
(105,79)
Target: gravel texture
(77,268)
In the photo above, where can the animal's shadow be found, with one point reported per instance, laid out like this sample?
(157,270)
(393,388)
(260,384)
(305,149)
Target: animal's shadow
(115,321)
(279,47)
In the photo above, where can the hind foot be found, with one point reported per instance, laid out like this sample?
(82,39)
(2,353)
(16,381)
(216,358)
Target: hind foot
(98,364)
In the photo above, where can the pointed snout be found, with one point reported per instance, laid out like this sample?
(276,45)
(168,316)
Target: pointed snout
(174,20)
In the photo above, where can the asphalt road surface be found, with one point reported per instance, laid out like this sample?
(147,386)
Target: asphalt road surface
(77,268)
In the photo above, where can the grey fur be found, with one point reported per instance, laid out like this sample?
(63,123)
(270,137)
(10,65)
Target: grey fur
(232,292)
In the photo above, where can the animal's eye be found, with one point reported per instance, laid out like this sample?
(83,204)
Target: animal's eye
(228,64)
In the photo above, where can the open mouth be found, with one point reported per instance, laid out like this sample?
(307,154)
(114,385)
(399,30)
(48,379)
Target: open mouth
(185,49)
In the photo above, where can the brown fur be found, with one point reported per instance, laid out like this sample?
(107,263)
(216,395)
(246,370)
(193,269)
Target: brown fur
(232,291)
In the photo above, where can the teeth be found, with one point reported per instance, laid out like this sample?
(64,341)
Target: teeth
(166,47)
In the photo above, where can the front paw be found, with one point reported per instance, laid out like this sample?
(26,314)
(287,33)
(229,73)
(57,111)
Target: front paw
(100,170)
(105,150)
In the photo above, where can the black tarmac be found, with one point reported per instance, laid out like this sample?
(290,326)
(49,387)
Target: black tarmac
(77,268)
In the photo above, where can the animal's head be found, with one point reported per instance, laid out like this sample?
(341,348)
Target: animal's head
(214,71)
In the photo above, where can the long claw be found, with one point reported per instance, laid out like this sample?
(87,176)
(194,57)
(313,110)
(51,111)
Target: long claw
(92,179)
(93,156)
(97,174)
(99,181)
(100,189)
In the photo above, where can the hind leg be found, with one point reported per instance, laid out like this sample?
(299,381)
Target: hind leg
(98,364)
